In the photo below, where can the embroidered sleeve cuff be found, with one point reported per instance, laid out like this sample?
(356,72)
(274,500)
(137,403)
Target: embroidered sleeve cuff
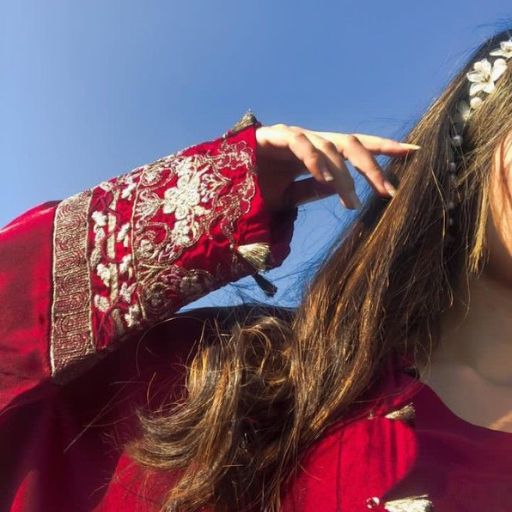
(131,251)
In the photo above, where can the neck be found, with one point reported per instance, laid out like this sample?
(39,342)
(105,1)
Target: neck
(476,333)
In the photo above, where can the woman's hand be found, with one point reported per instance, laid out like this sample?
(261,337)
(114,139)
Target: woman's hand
(285,152)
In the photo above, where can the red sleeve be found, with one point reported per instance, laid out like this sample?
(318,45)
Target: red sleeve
(79,276)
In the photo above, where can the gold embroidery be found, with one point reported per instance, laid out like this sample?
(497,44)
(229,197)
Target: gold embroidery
(71,331)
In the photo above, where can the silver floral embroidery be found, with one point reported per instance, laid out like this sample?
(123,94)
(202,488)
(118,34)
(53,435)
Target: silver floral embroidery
(130,186)
(187,188)
(102,303)
(122,236)
(126,292)
(175,200)
(125,265)
(104,273)
(99,218)
(132,318)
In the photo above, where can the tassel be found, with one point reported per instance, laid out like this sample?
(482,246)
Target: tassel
(268,288)
(255,254)
(246,120)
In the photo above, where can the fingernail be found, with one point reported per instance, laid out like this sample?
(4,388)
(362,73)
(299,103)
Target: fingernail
(390,188)
(327,175)
(409,146)
(354,200)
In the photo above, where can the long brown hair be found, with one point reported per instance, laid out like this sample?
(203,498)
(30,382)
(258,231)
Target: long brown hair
(260,396)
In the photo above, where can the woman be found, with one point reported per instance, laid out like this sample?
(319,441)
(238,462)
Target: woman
(387,389)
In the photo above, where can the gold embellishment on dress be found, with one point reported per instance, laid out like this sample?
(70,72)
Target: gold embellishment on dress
(406,413)
(246,120)
(409,504)
(71,332)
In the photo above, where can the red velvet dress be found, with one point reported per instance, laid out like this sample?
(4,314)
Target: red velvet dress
(88,289)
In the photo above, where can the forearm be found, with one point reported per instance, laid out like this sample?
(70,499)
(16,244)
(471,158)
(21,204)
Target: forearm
(126,254)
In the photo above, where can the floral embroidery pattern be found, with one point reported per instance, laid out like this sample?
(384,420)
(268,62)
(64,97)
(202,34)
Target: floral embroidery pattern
(177,203)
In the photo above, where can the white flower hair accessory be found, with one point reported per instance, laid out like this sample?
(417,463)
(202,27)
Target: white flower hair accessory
(482,82)
(484,75)
(483,79)
(505,50)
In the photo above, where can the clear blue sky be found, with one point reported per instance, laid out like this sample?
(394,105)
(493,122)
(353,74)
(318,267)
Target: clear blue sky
(91,89)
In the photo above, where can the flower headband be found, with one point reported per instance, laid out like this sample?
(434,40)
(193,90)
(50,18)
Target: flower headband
(482,79)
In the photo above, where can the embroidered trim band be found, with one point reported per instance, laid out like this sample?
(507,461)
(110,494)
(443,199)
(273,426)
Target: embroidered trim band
(71,333)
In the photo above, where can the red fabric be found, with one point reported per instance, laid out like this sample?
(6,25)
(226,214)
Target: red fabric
(25,296)
(363,461)
(68,397)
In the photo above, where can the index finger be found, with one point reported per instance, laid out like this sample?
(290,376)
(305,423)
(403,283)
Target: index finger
(385,146)
(377,145)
